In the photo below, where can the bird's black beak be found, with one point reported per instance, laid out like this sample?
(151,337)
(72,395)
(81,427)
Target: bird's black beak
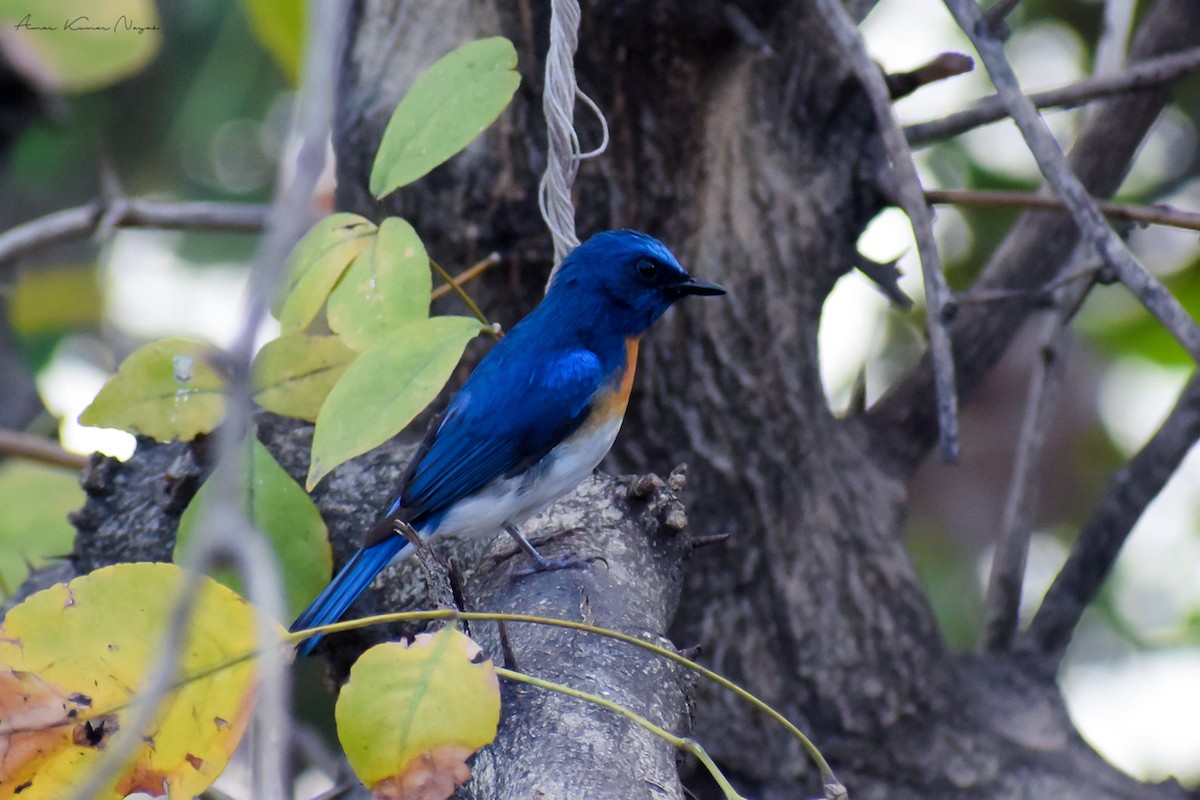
(696,287)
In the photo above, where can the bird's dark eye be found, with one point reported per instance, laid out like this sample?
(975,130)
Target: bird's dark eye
(647,269)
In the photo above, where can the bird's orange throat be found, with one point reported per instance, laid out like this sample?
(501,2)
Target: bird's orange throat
(626,386)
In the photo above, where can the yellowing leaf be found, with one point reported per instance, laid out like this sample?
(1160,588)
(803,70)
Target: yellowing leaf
(71,658)
(448,105)
(166,390)
(294,373)
(78,45)
(386,286)
(411,715)
(385,388)
(56,298)
(316,263)
(285,514)
(34,527)
(279,26)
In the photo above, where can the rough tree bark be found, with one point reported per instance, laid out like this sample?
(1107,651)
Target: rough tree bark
(760,167)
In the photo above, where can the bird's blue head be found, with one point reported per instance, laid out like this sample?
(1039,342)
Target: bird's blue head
(623,280)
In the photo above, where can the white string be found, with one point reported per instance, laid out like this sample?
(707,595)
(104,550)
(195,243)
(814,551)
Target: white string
(563,152)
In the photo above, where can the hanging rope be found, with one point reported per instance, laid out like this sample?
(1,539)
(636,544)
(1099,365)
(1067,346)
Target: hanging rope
(562,146)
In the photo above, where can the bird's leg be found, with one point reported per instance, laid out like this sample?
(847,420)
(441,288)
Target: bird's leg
(540,562)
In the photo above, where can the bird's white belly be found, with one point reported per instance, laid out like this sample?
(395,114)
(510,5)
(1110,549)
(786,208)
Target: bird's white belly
(510,501)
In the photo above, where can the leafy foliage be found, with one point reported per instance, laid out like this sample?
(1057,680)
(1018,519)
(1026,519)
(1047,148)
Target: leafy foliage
(72,657)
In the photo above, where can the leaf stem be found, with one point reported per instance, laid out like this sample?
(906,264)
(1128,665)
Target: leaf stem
(678,742)
(466,298)
(832,786)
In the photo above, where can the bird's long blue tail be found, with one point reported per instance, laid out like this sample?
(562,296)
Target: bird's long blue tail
(345,588)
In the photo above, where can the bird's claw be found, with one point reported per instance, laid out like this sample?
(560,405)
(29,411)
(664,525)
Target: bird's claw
(543,564)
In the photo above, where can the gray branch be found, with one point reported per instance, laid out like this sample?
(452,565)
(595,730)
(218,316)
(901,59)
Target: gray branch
(1152,73)
(911,197)
(128,212)
(1053,165)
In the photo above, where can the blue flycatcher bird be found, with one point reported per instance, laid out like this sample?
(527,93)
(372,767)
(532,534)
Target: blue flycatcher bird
(536,416)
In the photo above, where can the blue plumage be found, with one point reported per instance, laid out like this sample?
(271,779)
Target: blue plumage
(537,414)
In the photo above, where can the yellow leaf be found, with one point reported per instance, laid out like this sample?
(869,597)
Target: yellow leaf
(166,389)
(71,659)
(294,373)
(316,263)
(411,715)
(387,286)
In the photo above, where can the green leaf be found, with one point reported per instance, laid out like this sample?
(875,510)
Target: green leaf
(72,658)
(449,105)
(34,527)
(385,388)
(287,517)
(294,373)
(410,715)
(387,286)
(166,390)
(316,263)
(279,25)
(79,45)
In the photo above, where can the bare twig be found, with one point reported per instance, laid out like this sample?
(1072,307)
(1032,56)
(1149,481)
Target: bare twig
(1003,599)
(134,212)
(1094,552)
(466,298)
(1152,72)
(1053,165)
(945,65)
(912,200)
(39,448)
(1149,215)
(469,274)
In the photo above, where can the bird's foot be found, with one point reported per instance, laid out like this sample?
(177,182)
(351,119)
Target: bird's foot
(542,564)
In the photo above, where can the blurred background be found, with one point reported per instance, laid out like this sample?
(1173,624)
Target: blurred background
(199,109)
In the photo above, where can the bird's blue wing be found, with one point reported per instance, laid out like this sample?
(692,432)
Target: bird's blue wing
(512,412)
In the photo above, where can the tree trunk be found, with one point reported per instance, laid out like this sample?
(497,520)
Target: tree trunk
(761,168)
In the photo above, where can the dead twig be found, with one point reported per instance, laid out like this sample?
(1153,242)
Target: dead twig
(1157,214)
(40,449)
(1152,72)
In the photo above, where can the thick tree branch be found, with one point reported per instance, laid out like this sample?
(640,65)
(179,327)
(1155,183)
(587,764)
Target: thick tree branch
(1148,215)
(1057,171)
(1146,74)
(911,198)
(1094,552)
